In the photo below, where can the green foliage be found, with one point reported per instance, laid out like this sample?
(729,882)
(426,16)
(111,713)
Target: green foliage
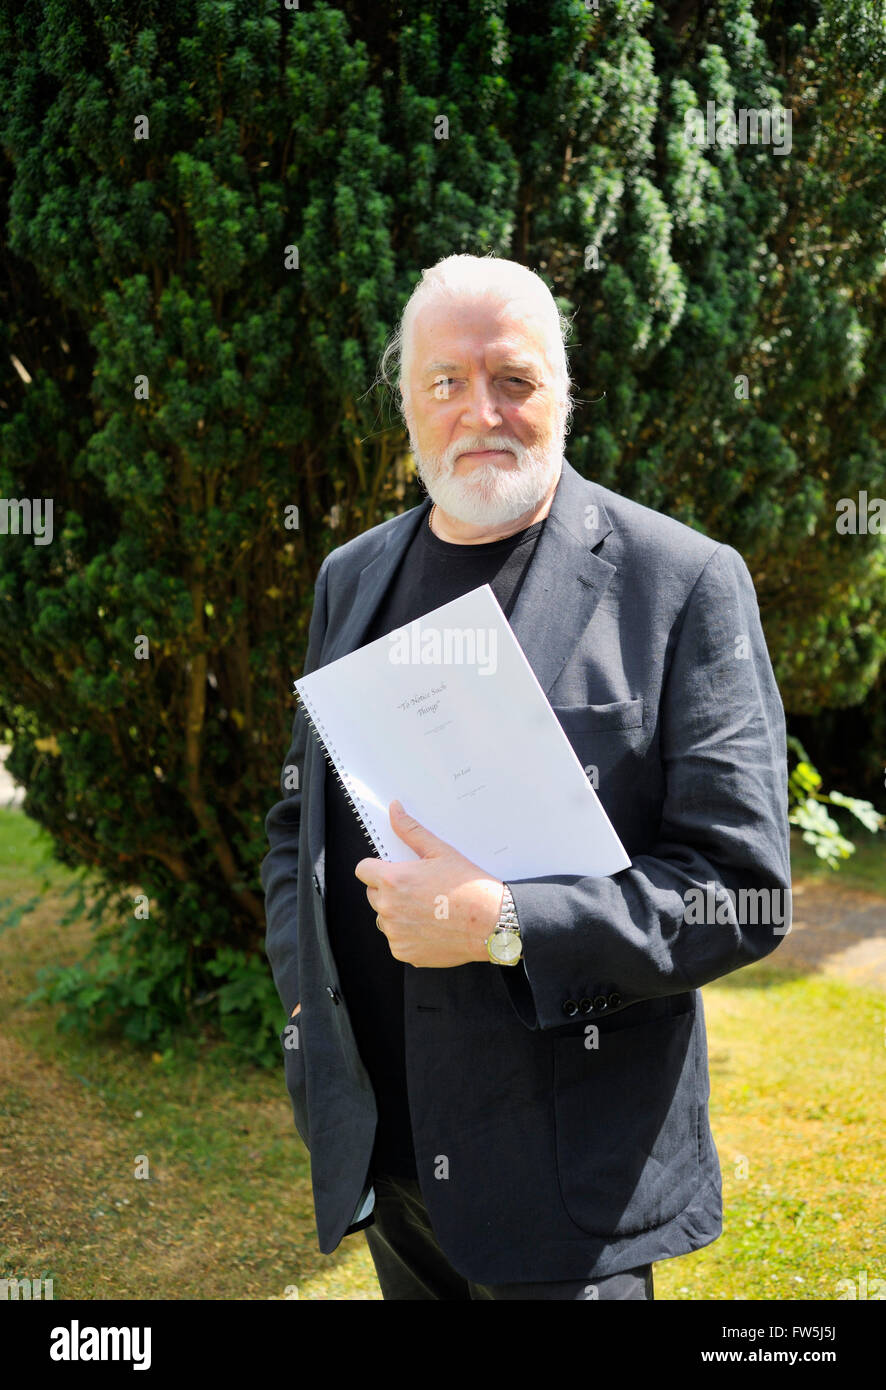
(142,984)
(189,323)
(807,810)
(14,912)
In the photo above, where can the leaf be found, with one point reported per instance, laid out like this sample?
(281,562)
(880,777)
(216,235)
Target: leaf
(862,810)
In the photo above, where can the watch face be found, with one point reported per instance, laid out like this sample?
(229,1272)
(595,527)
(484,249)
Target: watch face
(507,947)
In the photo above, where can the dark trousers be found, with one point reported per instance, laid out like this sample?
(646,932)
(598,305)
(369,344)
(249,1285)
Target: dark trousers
(410,1264)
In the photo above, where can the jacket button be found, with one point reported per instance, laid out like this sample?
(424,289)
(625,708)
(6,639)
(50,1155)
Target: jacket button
(316,883)
(584,1006)
(599,1003)
(615,1001)
(333,994)
(570,1008)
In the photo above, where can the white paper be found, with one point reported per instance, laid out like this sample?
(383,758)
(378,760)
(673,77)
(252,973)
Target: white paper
(447,716)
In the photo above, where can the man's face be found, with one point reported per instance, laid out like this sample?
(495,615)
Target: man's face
(485,424)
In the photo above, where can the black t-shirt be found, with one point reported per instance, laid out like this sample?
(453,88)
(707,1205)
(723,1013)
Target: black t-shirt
(432,572)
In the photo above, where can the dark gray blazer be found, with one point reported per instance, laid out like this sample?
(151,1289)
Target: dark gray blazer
(560,1107)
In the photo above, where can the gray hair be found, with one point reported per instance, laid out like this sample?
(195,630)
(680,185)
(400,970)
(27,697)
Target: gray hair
(482,277)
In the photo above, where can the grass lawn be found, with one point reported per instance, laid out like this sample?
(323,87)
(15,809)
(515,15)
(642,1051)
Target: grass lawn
(797,1108)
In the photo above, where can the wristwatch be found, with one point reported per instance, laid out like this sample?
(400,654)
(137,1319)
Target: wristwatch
(505,945)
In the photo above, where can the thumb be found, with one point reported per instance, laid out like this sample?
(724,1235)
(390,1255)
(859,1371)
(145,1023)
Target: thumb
(412,833)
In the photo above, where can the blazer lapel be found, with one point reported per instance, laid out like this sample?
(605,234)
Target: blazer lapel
(565,580)
(373,583)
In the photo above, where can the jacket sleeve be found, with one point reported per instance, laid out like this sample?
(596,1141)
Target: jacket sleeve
(713,892)
(279,868)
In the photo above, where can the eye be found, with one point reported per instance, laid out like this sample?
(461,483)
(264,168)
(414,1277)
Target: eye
(447,381)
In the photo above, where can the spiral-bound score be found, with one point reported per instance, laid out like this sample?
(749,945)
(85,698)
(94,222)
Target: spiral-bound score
(360,811)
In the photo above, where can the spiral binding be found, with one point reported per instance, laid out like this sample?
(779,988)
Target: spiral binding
(364,819)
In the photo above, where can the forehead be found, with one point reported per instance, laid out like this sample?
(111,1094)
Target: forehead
(451,333)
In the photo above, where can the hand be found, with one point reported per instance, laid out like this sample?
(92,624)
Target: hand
(295,1011)
(437,912)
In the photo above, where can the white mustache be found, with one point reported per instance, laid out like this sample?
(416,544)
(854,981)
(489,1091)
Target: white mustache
(489,493)
(505,446)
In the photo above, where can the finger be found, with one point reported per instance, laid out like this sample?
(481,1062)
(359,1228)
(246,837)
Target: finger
(367,870)
(372,899)
(414,834)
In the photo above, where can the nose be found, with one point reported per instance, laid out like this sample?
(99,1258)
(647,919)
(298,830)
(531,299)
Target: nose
(481,413)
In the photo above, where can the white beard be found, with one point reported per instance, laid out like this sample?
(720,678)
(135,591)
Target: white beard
(491,494)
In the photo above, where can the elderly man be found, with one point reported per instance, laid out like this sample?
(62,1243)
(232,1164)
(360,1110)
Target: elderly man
(512,1101)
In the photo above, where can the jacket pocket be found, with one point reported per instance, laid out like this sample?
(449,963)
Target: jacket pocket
(626,1116)
(292,1042)
(620,714)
